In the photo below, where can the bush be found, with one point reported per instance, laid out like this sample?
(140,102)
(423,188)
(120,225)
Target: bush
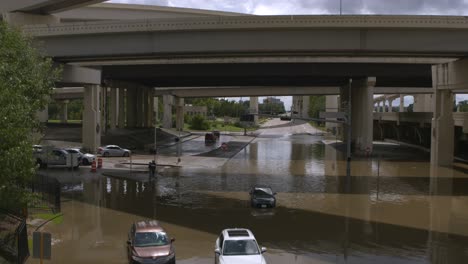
(199,123)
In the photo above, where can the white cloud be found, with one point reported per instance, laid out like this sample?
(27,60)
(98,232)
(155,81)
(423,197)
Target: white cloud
(281,7)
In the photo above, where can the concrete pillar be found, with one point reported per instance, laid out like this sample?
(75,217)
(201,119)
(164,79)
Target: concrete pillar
(156,109)
(113,108)
(131,107)
(179,114)
(362,97)
(104,111)
(64,115)
(168,101)
(121,118)
(91,118)
(390,105)
(121,106)
(253,109)
(331,105)
(150,111)
(305,106)
(442,136)
(402,103)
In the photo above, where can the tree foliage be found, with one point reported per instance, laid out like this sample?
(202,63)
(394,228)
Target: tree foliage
(26,80)
(198,122)
(316,105)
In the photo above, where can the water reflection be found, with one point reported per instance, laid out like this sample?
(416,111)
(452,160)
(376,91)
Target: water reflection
(396,212)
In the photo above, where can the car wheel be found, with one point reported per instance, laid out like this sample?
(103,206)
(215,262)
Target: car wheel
(126,154)
(106,154)
(85,162)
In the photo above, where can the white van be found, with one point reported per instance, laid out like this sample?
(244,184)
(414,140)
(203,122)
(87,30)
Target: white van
(49,156)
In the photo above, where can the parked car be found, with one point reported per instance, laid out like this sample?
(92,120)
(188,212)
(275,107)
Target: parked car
(262,196)
(149,243)
(83,158)
(238,245)
(50,156)
(113,150)
(285,117)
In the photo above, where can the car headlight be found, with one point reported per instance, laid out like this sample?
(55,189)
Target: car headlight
(137,259)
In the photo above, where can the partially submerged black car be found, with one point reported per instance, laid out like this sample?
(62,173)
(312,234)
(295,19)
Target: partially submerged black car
(261,196)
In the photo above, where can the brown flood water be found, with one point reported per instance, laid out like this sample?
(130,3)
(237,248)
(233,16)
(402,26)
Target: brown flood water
(394,212)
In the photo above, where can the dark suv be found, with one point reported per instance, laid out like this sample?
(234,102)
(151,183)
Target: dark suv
(149,243)
(262,196)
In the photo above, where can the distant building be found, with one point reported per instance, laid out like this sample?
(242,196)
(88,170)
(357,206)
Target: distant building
(195,110)
(272,100)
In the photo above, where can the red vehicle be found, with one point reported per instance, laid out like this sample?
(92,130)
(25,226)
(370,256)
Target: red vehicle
(149,243)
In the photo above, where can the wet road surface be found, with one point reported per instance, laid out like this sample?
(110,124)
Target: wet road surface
(394,212)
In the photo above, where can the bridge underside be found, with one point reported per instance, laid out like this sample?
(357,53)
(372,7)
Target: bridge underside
(270,74)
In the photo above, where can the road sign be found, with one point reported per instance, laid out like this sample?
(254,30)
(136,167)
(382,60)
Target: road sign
(42,245)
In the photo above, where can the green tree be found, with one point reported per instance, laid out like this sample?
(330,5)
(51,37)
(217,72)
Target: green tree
(26,81)
(199,123)
(317,105)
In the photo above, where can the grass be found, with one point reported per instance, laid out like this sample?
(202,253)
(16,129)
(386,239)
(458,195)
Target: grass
(221,128)
(68,121)
(322,128)
(57,218)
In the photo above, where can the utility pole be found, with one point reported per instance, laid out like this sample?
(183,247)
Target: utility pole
(341,7)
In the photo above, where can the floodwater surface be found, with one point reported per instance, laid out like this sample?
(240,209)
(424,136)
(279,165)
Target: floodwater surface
(392,208)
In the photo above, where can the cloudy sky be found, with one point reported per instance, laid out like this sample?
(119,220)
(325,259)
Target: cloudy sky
(287,7)
(314,7)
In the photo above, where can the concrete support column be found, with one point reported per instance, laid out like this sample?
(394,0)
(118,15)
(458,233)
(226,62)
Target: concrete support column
(442,136)
(104,111)
(179,114)
(113,108)
(168,101)
(150,110)
(402,103)
(305,106)
(362,97)
(64,114)
(91,118)
(121,118)
(156,109)
(390,105)
(131,107)
(253,109)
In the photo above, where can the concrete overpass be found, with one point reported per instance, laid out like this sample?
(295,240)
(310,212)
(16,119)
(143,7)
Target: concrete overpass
(270,51)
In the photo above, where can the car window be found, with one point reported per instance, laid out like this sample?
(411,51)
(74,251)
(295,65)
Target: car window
(263,191)
(150,239)
(240,247)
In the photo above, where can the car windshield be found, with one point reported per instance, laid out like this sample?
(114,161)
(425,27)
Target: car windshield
(240,247)
(263,191)
(150,239)
(72,151)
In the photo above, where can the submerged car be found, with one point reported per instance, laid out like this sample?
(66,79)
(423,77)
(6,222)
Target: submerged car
(262,196)
(113,150)
(238,245)
(149,243)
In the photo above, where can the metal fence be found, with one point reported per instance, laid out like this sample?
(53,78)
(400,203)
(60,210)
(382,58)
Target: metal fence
(49,190)
(13,238)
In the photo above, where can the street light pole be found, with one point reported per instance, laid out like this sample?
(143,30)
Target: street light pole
(348,149)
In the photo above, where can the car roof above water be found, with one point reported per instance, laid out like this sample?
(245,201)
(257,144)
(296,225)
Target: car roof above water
(148,226)
(237,234)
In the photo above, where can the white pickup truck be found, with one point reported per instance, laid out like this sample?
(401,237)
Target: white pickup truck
(49,156)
